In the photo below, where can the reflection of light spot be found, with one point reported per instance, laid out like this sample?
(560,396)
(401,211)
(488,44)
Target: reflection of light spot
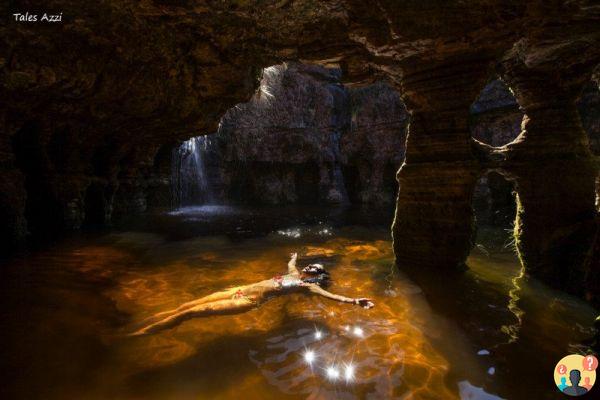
(333,373)
(347,328)
(358,331)
(349,372)
(293,233)
(318,335)
(492,371)
(309,356)
(331,313)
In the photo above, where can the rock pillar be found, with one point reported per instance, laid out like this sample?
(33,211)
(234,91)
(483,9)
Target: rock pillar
(433,226)
(554,174)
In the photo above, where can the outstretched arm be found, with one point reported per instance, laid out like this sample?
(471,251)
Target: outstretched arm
(292,270)
(316,289)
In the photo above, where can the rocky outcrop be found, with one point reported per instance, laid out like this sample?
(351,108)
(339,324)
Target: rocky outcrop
(373,147)
(436,184)
(91,99)
(305,138)
(496,120)
(371,121)
(286,139)
(556,213)
(438,177)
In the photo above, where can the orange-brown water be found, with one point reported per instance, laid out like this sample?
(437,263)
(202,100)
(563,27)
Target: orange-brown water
(67,309)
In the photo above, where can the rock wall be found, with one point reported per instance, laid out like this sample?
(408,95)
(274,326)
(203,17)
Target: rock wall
(88,103)
(305,138)
(374,146)
(496,120)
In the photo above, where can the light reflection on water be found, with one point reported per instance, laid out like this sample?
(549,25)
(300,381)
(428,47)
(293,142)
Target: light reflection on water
(72,305)
(204,210)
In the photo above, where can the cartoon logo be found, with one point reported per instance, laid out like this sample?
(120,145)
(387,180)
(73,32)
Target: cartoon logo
(575,374)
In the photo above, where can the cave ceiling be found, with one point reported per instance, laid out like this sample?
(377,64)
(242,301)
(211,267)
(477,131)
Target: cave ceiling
(139,74)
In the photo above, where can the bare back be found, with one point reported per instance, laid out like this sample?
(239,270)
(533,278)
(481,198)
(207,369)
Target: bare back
(262,291)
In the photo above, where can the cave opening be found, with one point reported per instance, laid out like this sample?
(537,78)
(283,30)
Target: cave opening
(158,120)
(304,138)
(495,116)
(494,206)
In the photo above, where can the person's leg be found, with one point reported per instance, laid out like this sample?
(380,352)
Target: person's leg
(220,307)
(222,295)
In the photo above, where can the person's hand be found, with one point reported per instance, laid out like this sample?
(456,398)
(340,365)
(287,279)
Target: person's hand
(294,256)
(364,303)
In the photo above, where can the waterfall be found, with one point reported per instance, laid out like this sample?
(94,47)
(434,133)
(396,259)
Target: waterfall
(191,180)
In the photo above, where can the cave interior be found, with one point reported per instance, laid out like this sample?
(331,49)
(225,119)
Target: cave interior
(451,117)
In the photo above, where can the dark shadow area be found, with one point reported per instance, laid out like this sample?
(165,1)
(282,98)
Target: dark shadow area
(95,204)
(306,180)
(494,201)
(43,212)
(240,223)
(352,181)
(53,317)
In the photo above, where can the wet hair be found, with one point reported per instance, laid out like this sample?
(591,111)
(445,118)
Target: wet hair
(321,279)
(315,273)
(314,269)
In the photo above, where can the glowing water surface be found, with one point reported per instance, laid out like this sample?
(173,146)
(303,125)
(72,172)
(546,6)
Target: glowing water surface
(485,334)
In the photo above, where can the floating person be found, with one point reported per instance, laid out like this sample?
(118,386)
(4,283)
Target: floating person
(240,299)
(563,383)
(575,389)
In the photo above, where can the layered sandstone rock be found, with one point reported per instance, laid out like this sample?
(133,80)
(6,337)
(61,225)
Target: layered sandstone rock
(284,144)
(305,138)
(556,215)
(496,120)
(89,102)
(374,146)
(93,98)
(371,121)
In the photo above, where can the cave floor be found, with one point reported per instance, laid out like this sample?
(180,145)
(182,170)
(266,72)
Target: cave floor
(488,333)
